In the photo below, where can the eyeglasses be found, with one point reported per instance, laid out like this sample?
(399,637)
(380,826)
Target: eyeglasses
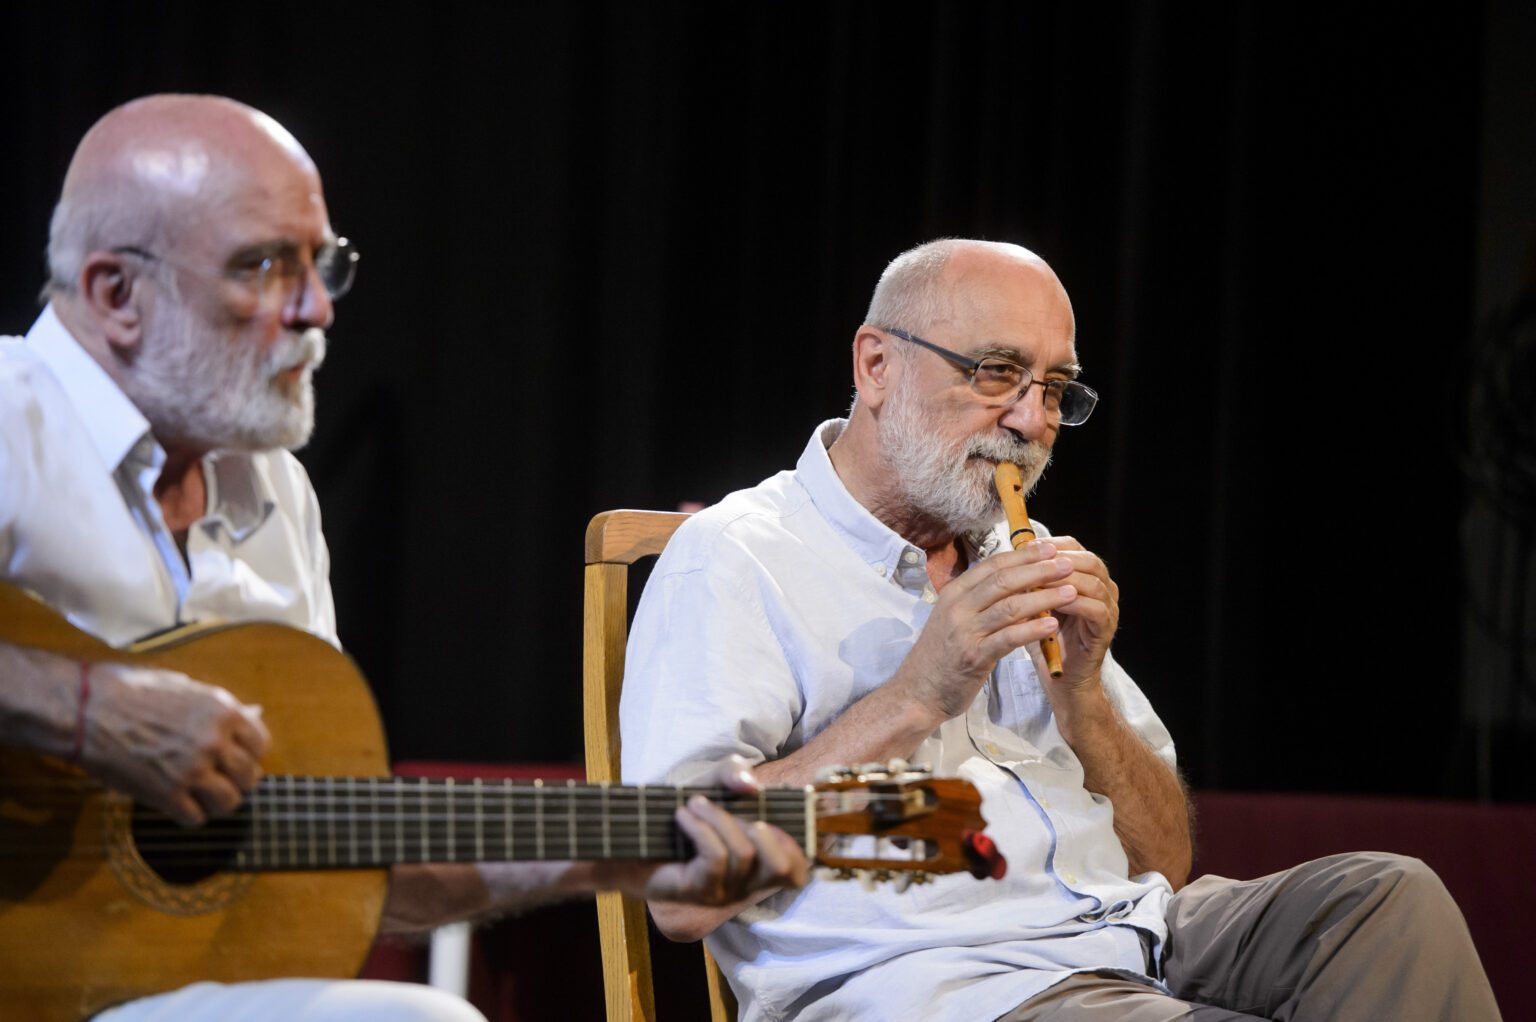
(278,269)
(1002,381)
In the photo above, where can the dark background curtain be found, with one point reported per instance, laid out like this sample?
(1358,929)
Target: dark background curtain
(615,255)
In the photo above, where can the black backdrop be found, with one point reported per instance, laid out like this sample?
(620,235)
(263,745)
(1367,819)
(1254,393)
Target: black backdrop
(614,255)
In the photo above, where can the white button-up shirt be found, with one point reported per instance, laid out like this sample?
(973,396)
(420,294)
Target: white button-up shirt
(765,618)
(79,524)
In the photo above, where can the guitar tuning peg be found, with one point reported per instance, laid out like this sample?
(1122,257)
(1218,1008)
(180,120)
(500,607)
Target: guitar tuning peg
(920,877)
(867,879)
(897,766)
(904,880)
(872,770)
(920,768)
(833,773)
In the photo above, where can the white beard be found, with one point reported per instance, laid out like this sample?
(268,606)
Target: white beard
(951,481)
(212,393)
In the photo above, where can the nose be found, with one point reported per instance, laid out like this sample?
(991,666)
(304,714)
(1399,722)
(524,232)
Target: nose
(309,303)
(1027,415)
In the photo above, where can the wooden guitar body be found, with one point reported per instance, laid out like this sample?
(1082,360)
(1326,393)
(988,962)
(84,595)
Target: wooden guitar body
(85,924)
(102,902)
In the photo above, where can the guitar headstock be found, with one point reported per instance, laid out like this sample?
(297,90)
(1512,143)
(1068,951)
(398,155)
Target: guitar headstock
(897,822)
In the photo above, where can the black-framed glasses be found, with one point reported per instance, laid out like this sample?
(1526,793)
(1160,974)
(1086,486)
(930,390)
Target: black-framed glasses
(280,268)
(1002,381)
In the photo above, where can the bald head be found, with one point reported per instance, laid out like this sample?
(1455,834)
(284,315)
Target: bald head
(939,282)
(154,169)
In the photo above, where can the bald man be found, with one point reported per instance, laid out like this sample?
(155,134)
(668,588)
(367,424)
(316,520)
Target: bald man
(868,605)
(146,480)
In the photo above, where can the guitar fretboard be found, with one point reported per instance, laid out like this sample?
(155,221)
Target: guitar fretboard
(292,822)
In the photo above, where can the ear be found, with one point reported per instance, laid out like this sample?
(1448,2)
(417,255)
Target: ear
(108,289)
(874,362)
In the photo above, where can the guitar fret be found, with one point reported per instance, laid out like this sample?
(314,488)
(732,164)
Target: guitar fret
(570,815)
(479,825)
(293,825)
(330,820)
(352,821)
(607,842)
(375,803)
(538,817)
(507,838)
(310,819)
(425,806)
(399,821)
(255,841)
(452,851)
(677,834)
(644,853)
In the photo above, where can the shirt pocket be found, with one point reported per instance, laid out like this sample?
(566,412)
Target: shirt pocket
(1021,706)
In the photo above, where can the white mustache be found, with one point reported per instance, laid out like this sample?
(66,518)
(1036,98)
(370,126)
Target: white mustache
(307,349)
(997,448)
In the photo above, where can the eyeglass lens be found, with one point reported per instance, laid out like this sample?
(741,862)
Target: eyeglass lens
(997,379)
(335,264)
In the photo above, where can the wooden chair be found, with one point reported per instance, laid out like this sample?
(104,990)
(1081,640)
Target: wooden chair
(615,540)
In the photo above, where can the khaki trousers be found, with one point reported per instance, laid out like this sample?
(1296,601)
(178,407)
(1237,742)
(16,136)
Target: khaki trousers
(1353,938)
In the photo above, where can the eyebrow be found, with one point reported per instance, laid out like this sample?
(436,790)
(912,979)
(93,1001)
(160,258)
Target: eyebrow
(262,250)
(275,247)
(1072,370)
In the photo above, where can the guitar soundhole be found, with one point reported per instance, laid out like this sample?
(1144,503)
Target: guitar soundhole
(187,855)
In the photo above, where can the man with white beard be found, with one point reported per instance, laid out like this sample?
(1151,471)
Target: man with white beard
(867,606)
(146,481)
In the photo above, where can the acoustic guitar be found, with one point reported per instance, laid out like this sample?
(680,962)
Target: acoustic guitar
(102,900)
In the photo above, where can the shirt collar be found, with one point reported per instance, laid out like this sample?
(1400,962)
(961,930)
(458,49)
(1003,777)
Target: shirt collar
(239,501)
(869,537)
(237,497)
(114,425)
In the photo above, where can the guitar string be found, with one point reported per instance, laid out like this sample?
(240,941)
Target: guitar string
(311,803)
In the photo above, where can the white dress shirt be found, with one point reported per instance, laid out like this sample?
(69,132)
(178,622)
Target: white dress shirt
(765,618)
(79,524)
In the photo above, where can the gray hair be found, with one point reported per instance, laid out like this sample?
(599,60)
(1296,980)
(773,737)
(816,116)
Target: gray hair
(908,295)
(95,218)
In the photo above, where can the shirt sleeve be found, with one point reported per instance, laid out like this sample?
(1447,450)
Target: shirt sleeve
(705,676)
(1126,697)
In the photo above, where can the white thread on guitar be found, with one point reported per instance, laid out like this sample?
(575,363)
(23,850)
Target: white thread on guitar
(452,852)
(479,825)
(570,818)
(538,817)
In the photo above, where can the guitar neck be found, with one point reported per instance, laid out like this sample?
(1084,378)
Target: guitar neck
(293,822)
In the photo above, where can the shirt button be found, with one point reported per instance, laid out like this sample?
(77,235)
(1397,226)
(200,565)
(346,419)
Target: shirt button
(910,557)
(879,569)
(992,749)
(1045,803)
(1069,878)
(929,596)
